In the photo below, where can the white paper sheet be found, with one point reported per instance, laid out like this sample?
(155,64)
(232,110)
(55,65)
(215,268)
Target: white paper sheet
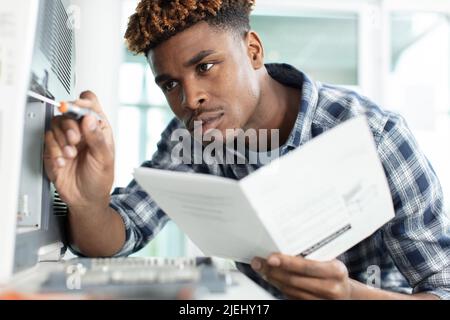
(319,200)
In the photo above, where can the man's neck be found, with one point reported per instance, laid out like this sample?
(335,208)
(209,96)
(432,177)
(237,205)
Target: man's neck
(277,109)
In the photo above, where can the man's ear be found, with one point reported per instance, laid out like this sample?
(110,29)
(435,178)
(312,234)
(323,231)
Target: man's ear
(255,49)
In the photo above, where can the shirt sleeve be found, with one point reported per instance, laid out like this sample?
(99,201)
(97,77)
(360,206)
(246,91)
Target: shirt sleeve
(418,237)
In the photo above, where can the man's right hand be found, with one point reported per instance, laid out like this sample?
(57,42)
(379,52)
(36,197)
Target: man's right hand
(79,157)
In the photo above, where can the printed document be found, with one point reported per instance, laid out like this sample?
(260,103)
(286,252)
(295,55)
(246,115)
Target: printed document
(317,201)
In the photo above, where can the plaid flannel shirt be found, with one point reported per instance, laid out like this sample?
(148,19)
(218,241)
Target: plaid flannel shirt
(412,251)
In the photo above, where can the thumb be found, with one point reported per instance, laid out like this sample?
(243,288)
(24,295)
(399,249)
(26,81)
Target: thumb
(94,137)
(89,95)
(89,100)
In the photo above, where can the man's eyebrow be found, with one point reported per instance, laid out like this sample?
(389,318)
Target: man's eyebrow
(162,78)
(198,57)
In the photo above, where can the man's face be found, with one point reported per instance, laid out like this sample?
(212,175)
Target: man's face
(208,75)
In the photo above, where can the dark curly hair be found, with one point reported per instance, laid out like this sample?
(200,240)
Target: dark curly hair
(157,20)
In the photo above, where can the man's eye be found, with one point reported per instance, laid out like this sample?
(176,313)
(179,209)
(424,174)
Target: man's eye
(205,67)
(169,85)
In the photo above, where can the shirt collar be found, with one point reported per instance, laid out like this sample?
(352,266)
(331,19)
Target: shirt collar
(290,76)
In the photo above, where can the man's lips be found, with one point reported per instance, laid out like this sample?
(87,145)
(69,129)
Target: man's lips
(209,120)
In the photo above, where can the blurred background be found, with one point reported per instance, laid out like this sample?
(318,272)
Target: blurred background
(396,52)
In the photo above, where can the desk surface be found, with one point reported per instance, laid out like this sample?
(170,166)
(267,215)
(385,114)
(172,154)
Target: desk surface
(239,288)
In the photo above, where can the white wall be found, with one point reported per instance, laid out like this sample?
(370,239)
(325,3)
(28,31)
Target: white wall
(99,51)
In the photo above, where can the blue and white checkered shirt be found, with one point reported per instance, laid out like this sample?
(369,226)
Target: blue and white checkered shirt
(412,251)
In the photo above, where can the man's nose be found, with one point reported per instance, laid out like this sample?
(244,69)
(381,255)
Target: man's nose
(194,96)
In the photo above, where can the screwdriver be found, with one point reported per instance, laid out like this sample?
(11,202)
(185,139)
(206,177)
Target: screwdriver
(66,108)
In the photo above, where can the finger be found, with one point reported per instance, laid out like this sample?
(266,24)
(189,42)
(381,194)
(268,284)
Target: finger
(57,132)
(261,266)
(96,106)
(91,105)
(292,293)
(257,264)
(315,286)
(71,130)
(306,267)
(69,151)
(85,103)
(89,95)
(89,100)
(53,155)
(95,138)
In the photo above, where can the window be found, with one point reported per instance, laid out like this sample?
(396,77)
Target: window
(419,82)
(143,115)
(323,45)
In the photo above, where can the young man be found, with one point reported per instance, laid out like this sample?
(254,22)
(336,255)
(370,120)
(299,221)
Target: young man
(210,66)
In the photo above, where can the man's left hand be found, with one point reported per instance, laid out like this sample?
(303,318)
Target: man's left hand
(300,278)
